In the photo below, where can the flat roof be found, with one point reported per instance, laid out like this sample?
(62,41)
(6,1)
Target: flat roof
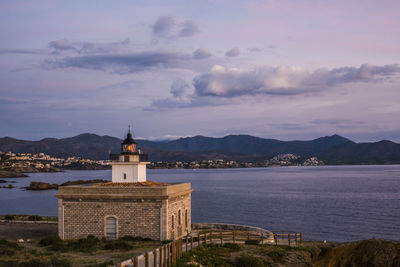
(138,184)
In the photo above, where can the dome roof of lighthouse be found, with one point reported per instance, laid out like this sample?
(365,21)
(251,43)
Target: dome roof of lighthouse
(129,139)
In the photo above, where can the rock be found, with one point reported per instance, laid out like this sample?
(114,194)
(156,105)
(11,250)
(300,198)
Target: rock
(41,186)
(11,174)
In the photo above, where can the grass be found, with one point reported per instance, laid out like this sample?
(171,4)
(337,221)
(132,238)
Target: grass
(247,255)
(84,252)
(23,217)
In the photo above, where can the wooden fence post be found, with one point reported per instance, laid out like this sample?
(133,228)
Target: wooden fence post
(262,239)
(191,242)
(205,238)
(171,249)
(136,262)
(155,257)
(211,237)
(162,255)
(198,240)
(220,236)
(248,236)
(276,239)
(186,243)
(147,259)
(233,236)
(289,238)
(301,237)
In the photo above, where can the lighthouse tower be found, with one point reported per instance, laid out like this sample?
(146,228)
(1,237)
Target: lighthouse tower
(130,167)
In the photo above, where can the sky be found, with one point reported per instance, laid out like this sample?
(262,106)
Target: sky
(287,69)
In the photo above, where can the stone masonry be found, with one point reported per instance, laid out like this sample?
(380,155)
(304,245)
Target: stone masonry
(159,212)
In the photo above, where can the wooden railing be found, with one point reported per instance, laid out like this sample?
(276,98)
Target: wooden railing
(166,255)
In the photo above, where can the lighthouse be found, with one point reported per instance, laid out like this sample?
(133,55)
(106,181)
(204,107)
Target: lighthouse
(127,205)
(130,165)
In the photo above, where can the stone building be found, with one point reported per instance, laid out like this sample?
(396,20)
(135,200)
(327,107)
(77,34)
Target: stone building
(129,205)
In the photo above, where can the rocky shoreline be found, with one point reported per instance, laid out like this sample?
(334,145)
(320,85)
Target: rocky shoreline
(38,186)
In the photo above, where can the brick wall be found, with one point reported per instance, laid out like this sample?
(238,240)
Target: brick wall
(182,203)
(139,211)
(82,218)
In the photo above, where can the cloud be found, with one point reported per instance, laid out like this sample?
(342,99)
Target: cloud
(21,51)
(64,45)
(234,52)
(202,53)
(221,86)
(169,27)
(223,82)
(179,88)
(189,28)
(120,63)
(164,26)
(61,45)
(254,49)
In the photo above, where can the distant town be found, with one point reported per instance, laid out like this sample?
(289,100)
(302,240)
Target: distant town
(277,161)
(15,164)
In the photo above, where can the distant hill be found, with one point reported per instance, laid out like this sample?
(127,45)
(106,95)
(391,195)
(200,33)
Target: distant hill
(333,149)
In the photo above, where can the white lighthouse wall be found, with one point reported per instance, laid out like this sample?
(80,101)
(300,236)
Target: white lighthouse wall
(134,173)
(142,173)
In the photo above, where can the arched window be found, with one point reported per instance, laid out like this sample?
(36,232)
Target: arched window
(173,222)
(179,217)
(111,227)
(186,219)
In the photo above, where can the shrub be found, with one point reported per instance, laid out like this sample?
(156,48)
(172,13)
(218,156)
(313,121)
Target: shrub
(164,242)
(35,218)
(8,248)
(118,245)
(34,263)
(53,241)
(8,263)
(88,244)
(104,264)
(9,217)
(276,254)
(134,238)
(57,262)
(232,246)
(249,261)
(252,242)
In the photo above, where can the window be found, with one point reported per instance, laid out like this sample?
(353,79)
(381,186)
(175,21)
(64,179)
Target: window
(179,217)
(186,219)
(173,222)
(111,227)
(124,176)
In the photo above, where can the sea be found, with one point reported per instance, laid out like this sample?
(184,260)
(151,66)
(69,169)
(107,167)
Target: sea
(333,203)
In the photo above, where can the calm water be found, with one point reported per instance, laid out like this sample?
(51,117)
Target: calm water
(336,203)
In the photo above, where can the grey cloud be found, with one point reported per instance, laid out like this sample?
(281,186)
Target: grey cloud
(164,26)
(169,27)
(120,63)
(234,52)
(189,28)
(21,51)
(201,53)
(64,45)
(61,45)
(222,82)
(179,88)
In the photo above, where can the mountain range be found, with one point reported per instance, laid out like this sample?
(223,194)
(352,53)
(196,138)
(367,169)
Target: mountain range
(332,150)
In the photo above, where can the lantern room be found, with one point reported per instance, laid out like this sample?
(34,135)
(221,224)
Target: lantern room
(128,146)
